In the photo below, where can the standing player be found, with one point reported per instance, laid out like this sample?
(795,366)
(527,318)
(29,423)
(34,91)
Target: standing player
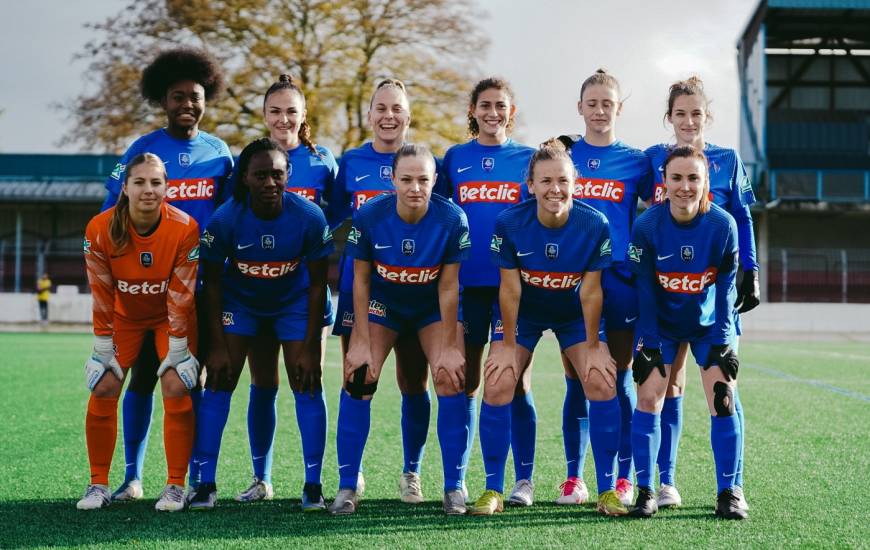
(198,165)
(364,173)
(730,187)
(684,253)
(262,236)
(141,258)
(485,176)
(311,170)
(611,178)
(545,248)
(406,248)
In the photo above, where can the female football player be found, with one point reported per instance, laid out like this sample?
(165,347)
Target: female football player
(141,257)
(486,175)
(311,170)
(364,173)
(406,248)
(198,165)
(684,253)
(544,249)
(274,246)
(689,113)
(612,176)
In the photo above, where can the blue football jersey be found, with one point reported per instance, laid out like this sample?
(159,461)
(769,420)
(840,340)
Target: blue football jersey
(730,188)
(551,262)
(611,179)
(407,258)
(484,180)
(198,169)
(311,175)
(685,275)
(266,258)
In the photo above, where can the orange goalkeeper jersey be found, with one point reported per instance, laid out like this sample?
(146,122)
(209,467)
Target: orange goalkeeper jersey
(153,278)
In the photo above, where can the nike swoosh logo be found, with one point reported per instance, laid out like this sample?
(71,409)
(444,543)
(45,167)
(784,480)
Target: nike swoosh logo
(257,457)
(343,466)
(313,465)
(639,472)
(527,463)
(463,169)
(732,475)
(525,253)
(663,257)
(242,247)
(204,462)
(411,462)
(360,178)
(490,475)
(570,461)
(382,246)
(461,467)
(624,459)
(724,353)
(630,319)
(133,464)
(609,474)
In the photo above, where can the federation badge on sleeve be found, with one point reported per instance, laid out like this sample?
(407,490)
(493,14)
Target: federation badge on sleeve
(267,242)
(146,259)
(117,171)
(487,163)
(184,160)
(495,243)
(687,253)
(551,250)
(606,249)
(408,247)
(86,246)
(193,255)
(353,235)
(327,234)
(634,253)
(464,241)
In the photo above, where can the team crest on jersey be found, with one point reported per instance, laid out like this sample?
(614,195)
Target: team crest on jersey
(86,246)
(605,249)
(487,163)
(634,253)
(408,246)
(267,242)
(495,243)
(551,250)
(464,241)
(353,235)
(193,255)
(146,259)
(206,238)
(386,172)
(184,160)
(227,318)
(117,171)
(687,253)
(593,164)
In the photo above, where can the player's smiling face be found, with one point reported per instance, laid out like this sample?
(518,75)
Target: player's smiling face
(266,178)
(389,115)
(688,117)
(284,112)
(553,185)
(685,180)
(413,179)
(184,104)
(145,188)
(599,108)
(493,111)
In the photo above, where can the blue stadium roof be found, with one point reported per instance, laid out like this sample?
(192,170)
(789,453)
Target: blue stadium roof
(54,178)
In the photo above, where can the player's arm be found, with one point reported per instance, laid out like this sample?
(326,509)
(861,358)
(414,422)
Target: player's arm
(725,288)
(359,351)
(318,246)
(451,361)
(749,292)
(102,285)
(596,356)
(338,198)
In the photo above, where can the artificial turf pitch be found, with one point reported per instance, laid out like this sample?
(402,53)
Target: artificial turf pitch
(807,407)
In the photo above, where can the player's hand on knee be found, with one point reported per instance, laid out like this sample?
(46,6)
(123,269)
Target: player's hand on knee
(217,366)
(102,359)
(597,358)
(358,355)
(180,359)
(503,361)
(725,358)
(450,364)
(645,361)
(307,371)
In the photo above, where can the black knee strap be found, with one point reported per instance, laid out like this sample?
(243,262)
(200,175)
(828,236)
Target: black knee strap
(723,399)
(357,387)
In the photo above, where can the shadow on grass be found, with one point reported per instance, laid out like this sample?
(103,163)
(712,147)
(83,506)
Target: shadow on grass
(31,523)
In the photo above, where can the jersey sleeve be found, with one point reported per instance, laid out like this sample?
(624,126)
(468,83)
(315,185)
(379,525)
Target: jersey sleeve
(504,251)
(443,185)
(182,281)
(118,175)
(318,237)
(216,242)
(359,240)
(226,181)
(726,290)
(459,241)
(646,180)
(328,180)
(741,198)
(641,263)
(100,279)
(338,197)
(602,255)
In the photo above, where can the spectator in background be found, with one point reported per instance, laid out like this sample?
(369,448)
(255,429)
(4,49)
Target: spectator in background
(43,289)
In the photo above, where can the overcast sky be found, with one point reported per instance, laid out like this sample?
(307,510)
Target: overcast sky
(546,48)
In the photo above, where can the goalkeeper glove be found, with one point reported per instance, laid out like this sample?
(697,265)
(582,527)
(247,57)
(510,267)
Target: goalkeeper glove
(180,359)
(101,360)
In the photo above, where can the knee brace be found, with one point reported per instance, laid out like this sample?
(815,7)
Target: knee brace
(357,387)
(723,399)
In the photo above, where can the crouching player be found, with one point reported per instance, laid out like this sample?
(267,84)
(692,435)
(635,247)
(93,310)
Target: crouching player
(684,253)
(141,257)
(406,248)
(545,247)
(275,247)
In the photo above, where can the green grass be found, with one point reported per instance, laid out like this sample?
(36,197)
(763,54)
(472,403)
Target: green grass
(807,460)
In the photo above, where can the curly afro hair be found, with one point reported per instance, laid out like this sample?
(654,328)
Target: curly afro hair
(179,64)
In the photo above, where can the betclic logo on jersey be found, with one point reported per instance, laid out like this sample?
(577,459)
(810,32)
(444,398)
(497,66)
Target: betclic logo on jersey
(362,197)
(489,191)
(687,283)
(190,189)
(601,189)
(145,288)
(550,280)
(407,275)
(266,270)
(305,192)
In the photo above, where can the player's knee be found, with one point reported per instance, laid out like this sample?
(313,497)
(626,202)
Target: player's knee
(723,399)
(171,385)
(647,401)
(597,388)
(108,386)
(361,385)
(444,387)
(499,393)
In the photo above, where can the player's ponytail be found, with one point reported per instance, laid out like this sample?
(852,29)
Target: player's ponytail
(601,78)
(240,188)
(691,86)
(491,83)
(119,224)
(688,151)
(285,82)
(552,149)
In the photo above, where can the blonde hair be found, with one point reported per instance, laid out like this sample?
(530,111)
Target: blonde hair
(119,232)
(552,149)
